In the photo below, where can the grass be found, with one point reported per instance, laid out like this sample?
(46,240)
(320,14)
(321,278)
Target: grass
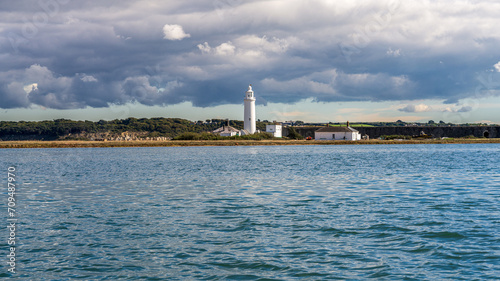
(176,143)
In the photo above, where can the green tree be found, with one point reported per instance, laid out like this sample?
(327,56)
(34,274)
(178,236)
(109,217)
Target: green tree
(292,133)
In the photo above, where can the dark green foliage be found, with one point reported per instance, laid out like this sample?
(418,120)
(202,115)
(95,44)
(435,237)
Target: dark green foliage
(197,136)
(393,137)
(57,127)
(149,127)
(256,136)
(292,134)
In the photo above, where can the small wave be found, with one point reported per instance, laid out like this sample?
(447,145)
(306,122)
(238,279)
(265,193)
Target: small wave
(444,235)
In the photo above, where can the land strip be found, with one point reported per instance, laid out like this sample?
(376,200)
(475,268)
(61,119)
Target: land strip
(177,143)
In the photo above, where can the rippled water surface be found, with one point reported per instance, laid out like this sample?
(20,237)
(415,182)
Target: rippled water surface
(400,212)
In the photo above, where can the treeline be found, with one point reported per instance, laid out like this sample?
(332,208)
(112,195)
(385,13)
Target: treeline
(152,127)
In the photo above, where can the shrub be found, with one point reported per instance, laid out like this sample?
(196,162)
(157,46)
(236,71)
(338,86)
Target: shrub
(256,136)
(188,136)
(393,137)
(210,136)
(292,134)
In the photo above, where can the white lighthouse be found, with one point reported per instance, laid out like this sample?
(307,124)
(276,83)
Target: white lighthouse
(249,118)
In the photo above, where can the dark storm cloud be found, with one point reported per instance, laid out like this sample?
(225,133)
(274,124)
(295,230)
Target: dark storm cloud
(73,54)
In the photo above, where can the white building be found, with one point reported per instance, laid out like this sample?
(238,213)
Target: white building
(249,117)
(275,129)
(337,133)
(227,131)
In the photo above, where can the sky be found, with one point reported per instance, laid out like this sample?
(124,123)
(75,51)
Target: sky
(315,60)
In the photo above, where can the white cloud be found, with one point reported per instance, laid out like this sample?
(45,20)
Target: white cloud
(52,90)
(174,32)
(225,49)
(204,48)
(274,45)
(416,108)
(248,50)
(463,109)
(36,73)
(30,87)
(394,53)
(468,107)
(88,78)
(497,66)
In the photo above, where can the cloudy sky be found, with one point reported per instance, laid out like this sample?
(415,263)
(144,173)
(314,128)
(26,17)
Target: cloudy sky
(315,60)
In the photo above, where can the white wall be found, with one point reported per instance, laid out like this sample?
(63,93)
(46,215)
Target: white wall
(338,136)
(358,136)
(276,130)
(228,134)
(329,135)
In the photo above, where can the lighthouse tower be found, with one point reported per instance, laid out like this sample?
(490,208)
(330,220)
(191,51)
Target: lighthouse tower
(249,118)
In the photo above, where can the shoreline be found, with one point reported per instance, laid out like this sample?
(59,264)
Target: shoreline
(177,143)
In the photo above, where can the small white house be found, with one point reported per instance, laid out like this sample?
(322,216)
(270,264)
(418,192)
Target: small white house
(227,131)
(337,133)
(275,129)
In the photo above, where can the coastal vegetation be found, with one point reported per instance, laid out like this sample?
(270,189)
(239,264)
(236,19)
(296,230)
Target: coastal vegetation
(395,137)
(161,129)
(292,134)
(64,129)
(209,136)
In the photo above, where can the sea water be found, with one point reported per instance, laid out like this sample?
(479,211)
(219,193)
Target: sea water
(350,212)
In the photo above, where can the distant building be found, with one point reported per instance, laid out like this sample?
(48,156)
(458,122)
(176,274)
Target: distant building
(227,131)
(275,129)
(337,133)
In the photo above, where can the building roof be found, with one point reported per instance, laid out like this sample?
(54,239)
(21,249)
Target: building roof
(226,129)
(336,129)
(244,132)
